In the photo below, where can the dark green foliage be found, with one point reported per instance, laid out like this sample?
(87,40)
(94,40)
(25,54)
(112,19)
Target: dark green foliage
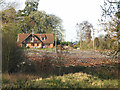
(10,51)
(8,16)
(26,22)
(40,22)
(31,20)
(65,43)
(75,46)
(30,6)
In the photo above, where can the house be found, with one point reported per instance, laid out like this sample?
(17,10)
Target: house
(35,40)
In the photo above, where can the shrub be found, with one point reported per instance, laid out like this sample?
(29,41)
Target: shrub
(11,52)
(43,66)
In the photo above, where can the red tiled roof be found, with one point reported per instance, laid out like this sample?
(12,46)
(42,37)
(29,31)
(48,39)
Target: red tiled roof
(49,37)
(22,37)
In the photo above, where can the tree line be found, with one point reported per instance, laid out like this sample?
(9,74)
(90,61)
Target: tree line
(110,19)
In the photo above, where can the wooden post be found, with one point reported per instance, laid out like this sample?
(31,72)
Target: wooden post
(55,41)
(93,39)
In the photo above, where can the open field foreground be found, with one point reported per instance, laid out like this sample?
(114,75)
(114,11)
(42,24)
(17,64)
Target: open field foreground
(73,69)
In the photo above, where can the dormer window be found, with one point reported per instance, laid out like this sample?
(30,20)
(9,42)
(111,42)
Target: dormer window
(31,39)
(42,38)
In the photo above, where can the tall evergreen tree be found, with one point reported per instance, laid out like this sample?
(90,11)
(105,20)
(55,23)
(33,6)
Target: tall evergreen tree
(25,22)
(30,5)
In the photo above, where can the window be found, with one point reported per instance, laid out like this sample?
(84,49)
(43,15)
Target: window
(42,38)
(32,44)
(37,44)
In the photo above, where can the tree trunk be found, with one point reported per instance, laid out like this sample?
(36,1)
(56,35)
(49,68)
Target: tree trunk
(55,41)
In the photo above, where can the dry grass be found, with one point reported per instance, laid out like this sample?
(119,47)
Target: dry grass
(17,76)
(69,77)
(68,80)
(0,80)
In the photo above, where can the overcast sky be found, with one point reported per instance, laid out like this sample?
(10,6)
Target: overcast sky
(71,12)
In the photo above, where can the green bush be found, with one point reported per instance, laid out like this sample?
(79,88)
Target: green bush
(75,46)
(11,52)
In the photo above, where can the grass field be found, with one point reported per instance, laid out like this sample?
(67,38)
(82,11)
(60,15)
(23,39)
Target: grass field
(79,70)
(76,80)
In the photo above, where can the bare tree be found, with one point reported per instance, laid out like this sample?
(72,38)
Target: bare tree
(84,31)
(79,33)
(112,11)
(110,8)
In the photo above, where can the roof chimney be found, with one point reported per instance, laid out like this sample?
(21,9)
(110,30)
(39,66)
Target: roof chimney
(32,31)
